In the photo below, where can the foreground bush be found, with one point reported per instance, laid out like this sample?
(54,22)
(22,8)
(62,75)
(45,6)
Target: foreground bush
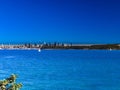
(9,83)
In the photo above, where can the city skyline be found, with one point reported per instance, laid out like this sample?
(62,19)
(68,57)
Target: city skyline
(82,21)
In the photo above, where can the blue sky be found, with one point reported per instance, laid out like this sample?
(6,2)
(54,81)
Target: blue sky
(83,21)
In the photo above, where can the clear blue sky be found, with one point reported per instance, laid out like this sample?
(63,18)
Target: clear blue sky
(84,21)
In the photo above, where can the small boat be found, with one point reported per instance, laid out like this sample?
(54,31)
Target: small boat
(110,49)
(39,50)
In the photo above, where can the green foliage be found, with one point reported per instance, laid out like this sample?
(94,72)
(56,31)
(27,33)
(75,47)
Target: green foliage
(9,83)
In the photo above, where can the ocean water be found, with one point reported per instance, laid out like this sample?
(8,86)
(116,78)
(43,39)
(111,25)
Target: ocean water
(62,69)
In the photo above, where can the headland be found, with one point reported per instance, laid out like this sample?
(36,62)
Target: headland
(29,46)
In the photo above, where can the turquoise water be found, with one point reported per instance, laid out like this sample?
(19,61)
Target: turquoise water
(63,69)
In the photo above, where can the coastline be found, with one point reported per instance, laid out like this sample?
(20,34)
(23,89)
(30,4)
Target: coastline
(60,46)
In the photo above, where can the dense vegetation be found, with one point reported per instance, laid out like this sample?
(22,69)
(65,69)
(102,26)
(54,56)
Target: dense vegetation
(102,46)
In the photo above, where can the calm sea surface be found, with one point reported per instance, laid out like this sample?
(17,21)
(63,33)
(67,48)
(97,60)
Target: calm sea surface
(63,69)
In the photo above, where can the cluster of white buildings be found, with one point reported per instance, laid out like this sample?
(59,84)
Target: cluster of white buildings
(16,46)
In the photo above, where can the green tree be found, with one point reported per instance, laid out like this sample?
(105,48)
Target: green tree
(10,84)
